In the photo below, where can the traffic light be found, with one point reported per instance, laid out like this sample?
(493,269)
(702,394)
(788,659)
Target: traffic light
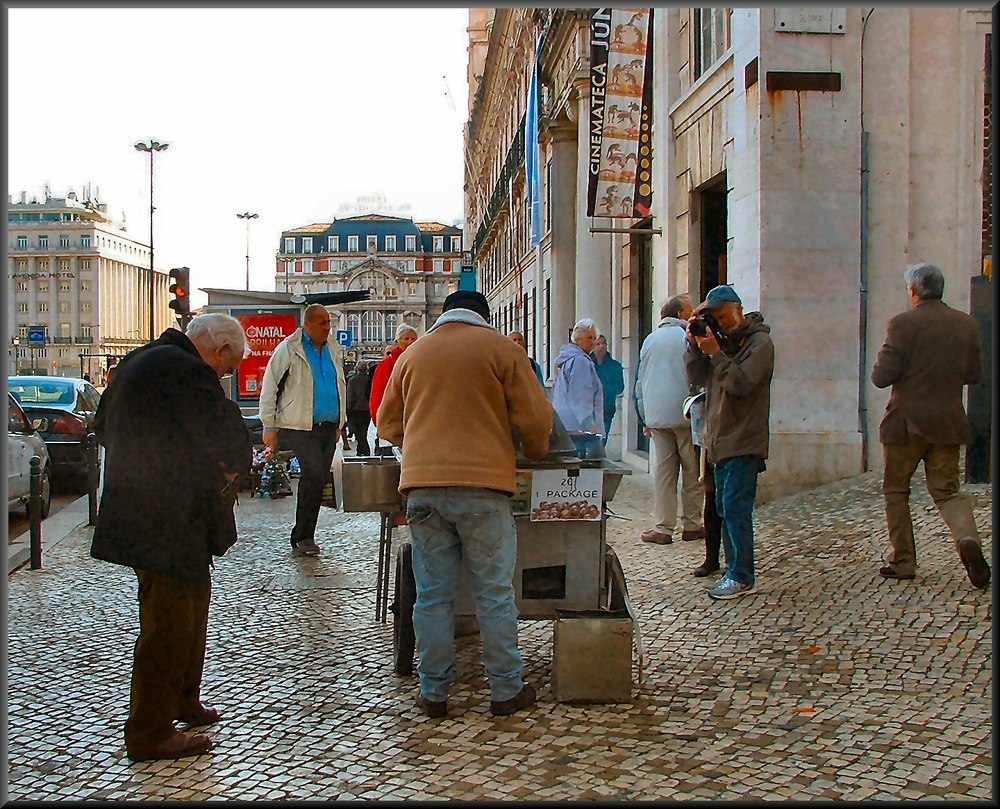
(181,290)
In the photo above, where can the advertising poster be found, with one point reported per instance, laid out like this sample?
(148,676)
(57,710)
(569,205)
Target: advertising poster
(265,328)
(556,495)
(621,106)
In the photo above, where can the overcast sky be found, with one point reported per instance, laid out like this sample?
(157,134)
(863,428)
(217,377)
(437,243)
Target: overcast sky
(288,113)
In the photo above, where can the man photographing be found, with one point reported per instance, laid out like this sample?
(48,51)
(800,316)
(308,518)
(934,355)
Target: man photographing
(737,379)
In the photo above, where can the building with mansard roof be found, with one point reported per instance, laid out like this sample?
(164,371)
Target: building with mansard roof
(409,268)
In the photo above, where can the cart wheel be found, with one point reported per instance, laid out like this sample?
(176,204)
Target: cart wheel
(403,639)
(616,580)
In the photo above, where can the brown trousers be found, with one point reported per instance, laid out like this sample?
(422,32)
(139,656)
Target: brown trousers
(942,476)
(169,655)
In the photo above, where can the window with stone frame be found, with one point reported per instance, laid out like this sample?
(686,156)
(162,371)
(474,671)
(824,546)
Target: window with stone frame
(711,32)
(380,285)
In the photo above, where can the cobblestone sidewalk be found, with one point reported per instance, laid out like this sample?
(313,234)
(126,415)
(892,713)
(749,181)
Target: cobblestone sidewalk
(826,683)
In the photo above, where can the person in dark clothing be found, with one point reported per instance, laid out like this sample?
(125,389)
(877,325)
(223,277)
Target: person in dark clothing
(358,416)
(175,446)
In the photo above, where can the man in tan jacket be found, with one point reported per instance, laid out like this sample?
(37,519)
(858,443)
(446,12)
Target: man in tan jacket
(930,353)
(451,402)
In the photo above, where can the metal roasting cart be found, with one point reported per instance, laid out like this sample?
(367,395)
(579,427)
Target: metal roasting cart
(562,564)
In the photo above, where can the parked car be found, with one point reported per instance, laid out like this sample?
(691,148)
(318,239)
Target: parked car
(62,409)
(23,441)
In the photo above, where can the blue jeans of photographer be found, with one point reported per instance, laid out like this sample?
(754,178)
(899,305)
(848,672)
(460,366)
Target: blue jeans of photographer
(735,489)
(453,528)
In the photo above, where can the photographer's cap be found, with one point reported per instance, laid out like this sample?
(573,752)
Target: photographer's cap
(720,295)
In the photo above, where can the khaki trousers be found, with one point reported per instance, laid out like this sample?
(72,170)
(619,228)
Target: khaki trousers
(942,477)
(169,656)
(675,452)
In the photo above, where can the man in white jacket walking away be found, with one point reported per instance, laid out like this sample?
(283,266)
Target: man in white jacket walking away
(661,386)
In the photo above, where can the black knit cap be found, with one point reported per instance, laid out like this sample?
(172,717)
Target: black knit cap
(468,299)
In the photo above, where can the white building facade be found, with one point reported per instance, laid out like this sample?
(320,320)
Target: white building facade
(77,272)
(806,156)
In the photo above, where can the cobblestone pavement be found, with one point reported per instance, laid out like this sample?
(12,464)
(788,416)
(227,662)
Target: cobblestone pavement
(826,683)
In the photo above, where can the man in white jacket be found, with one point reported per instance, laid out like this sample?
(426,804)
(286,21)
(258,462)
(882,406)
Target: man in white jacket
(303,405)
(661,386)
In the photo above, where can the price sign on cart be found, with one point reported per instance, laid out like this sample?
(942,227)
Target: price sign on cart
(556,495)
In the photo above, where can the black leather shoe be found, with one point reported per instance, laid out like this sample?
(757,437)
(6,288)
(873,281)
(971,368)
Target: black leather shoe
(889,573)
(180,745)
(975,563)
(524,698)
(435,710)
(705,569)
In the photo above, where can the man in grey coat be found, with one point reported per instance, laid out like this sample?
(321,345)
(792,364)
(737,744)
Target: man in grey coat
(930,353)
(735,366)
(661,387)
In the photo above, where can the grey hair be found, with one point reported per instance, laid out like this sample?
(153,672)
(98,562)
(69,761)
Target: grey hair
(215,329)
(582,325)
(403,328)
(926,280)
(673,306)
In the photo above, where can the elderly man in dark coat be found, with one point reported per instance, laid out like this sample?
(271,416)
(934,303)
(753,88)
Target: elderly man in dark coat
(175,445)
(931,352)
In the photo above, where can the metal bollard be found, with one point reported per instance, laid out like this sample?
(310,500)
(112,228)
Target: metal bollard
(35,512)
(93,477)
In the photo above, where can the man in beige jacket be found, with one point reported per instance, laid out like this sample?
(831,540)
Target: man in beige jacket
(451,402)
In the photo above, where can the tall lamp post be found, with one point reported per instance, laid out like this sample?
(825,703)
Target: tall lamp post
(151,147)
(248,216)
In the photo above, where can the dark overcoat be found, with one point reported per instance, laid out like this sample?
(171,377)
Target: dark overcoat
(169,433)
(930,352)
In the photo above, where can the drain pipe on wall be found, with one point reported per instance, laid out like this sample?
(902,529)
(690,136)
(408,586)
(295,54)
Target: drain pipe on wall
(863,264)
(863,317)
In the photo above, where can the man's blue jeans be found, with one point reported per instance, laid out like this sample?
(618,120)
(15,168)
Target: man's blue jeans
(735,489)
(453,527)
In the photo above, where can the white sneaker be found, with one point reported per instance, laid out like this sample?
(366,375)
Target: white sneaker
(727,589)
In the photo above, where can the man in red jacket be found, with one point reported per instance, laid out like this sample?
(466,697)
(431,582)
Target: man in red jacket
(930,353)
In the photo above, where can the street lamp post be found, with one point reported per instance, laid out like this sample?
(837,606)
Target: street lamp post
(248,216)
(151,147)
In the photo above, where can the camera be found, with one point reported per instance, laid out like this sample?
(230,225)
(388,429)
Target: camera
(700,325)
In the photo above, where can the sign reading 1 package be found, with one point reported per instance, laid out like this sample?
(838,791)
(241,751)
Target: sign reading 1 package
(556,495)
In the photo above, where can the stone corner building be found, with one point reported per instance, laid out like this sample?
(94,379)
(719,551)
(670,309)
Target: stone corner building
(408,267)
(806,156)
(76,270)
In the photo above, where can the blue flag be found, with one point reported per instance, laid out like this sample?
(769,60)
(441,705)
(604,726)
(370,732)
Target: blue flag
(532,154)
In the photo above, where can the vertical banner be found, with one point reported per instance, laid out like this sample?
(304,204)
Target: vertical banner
(532,153)
(621,105)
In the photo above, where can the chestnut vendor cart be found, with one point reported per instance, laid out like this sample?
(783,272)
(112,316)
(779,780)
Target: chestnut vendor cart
(563,560)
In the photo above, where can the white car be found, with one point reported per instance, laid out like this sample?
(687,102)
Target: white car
(23,441)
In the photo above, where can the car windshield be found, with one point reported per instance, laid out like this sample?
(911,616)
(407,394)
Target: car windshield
(41,392)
